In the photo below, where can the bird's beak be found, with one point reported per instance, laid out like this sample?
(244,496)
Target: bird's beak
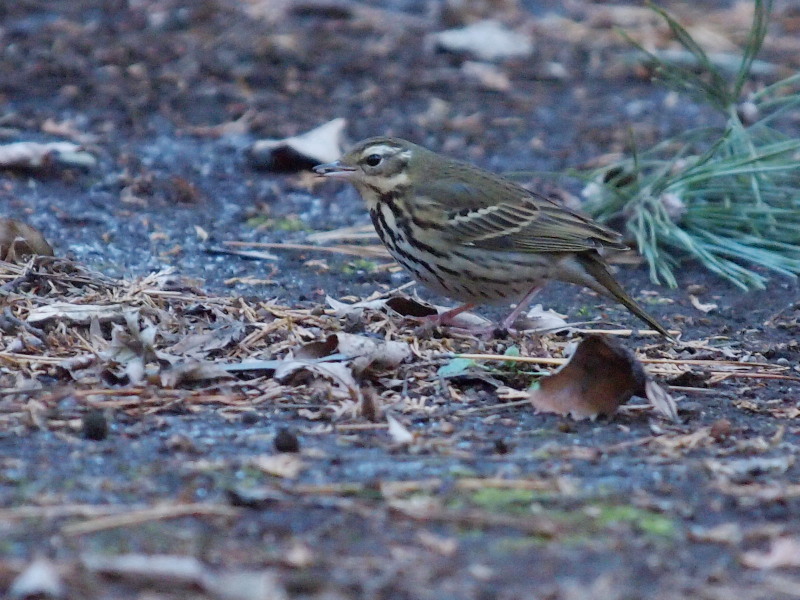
(335,169)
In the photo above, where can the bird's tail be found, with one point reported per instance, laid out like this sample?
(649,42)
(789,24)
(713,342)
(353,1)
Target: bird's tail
(599,272)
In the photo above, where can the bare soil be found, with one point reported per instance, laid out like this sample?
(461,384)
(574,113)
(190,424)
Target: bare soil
(485,500)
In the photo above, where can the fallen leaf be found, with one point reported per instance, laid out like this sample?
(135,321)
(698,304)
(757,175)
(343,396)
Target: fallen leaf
(661,401)
(187,573)
(744,470)
(405,306)
(599,377)
(244,585)
(283,465)
(40,579)
(82,314)
(398,431)
(35,155)
(19,240)
(190,371)
(724,533)
(181,571)
(336,372)
(319,349)
(486,40)
(488,75)
(216,338)
(706,308)
(363,352)
(784,552)
(301,152)
(369,352)
(538,319)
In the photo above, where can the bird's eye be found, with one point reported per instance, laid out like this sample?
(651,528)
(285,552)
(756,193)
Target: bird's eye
(373,160)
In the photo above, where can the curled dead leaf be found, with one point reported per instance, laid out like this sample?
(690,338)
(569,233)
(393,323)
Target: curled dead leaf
(288,466)
(538,319)
(215,338)
(405,306)
(706,307)
(362,352)
(35,155)
(190,371)
(320,145)
(661,401)
(40,579)
(599,377)
(82,314)
(187,574)
(398,432)
(18,240)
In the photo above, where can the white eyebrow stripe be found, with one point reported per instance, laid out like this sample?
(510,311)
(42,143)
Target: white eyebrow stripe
(382,149)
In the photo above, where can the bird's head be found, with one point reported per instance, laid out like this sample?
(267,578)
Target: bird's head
(382,164)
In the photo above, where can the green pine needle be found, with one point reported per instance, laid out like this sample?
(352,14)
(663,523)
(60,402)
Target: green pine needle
(729,197)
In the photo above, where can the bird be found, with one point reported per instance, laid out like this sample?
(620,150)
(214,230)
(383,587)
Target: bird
(473,235)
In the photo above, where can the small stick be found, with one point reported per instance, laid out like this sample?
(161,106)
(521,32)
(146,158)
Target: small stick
(156,513)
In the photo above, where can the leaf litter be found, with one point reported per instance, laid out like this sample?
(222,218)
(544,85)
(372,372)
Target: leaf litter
(378,514)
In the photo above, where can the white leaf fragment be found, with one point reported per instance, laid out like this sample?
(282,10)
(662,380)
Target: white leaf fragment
(487,40)
(39,580)
(398,431)
(323,144)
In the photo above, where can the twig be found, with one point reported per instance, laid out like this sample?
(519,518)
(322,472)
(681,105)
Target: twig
(156,513)
(374,251)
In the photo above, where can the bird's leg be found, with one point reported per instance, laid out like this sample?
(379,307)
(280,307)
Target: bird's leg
(448,316)
(522,305)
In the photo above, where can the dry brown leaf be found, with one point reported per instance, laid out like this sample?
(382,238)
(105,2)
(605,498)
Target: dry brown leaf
(361,351)
(661,401)
(338,373)
(744,470)
(599,377)
(18,240)
(189,574)
(674,443)
(283,465)
(216,338)
(488,75)
(82,314)
(404,306)
(371,352)
(724,533)
(784,552)
(190,371)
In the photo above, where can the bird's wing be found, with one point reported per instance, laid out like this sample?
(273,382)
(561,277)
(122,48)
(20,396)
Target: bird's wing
(525,222)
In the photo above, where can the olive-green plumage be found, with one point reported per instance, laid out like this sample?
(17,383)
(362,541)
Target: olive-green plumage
(472,235)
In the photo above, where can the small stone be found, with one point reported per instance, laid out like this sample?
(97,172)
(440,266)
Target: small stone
(565,427)
(250,417)
(501,447)
(286,441)
(721,429)
(689,408)
(95,426)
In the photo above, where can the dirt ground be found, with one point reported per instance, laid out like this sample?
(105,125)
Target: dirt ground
(127,474)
